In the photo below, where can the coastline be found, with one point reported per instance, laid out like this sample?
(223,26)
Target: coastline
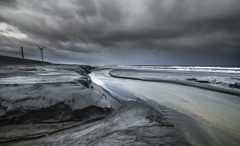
(192,84)
(30,113)
(201,115)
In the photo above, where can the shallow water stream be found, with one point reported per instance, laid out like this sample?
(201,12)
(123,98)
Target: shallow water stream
(204,117)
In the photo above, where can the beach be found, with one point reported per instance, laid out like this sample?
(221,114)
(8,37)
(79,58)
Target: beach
(204,114)
(120,73)
(57,104)
(52,104)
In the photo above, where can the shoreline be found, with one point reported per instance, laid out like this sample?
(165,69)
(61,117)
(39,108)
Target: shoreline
(199,114)
(135,119)
(178,82)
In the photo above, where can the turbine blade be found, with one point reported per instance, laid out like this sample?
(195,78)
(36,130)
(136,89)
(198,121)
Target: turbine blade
(38,46)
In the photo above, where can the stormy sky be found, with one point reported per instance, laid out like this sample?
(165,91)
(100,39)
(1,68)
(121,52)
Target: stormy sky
(128,32)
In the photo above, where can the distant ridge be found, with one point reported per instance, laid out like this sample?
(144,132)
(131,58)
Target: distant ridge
(6,60)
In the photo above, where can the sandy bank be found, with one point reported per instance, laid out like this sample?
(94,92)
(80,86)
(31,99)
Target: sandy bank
(225,83)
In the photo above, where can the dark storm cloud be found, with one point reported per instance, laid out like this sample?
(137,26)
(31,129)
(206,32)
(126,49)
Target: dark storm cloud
(158,31)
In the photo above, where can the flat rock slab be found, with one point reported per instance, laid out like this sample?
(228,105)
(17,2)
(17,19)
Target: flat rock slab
(128,126)
(17,101)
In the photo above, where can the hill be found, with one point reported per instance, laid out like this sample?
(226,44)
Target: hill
(6,60)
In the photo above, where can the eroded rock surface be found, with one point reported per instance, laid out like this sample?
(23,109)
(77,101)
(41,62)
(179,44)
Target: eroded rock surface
(128,126)
(59,105)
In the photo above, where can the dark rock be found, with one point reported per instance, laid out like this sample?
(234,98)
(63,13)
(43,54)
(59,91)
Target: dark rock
(235,85)
(202,81)
(85,82)
(195,80)
(158,119)
(87,68)
(191,79)
(59,113)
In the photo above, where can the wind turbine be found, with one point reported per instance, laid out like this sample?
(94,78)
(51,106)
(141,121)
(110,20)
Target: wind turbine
(41,49)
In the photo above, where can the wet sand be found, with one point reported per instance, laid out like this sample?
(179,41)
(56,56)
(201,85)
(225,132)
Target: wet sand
(204,117)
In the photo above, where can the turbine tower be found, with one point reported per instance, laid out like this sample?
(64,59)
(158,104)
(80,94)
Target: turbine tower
(41,50)
(22,53)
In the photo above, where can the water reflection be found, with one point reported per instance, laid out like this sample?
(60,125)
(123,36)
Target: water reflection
(204,117)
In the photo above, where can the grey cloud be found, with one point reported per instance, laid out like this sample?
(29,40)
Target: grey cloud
(102,29)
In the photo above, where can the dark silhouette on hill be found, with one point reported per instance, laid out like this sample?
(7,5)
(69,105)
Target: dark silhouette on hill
(6,60)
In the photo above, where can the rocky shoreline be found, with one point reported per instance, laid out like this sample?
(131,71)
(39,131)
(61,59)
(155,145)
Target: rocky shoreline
(54,109)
